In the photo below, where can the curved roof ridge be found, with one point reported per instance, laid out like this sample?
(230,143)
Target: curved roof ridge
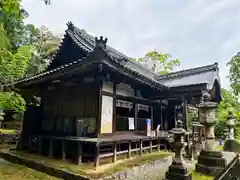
(114,52)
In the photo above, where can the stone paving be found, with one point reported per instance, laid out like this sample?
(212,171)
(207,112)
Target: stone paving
(154,171)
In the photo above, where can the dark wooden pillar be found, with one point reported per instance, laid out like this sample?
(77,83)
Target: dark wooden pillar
(129,149)
(50,152)
(141,147)
(161,116)
(114,152)
(185,113)
(79,153)
(97,155)
(135,108)
(39,145)
(100,85)
(114,107)
(63,151)
(151,107)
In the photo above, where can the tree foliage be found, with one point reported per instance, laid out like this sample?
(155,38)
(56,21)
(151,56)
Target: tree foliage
(234,74)
(160,62)
(229,103)
(24,50)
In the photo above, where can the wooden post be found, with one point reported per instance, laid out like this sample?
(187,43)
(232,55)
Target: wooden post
(63,151)
(150,146)
(100,83)
(114,107)
(29,143)
(159,143)
(79,153)
(135,116)
(114,152)
(141,147)
(151,117)
(39,145)
(50,148)
(97,154)
(129,149)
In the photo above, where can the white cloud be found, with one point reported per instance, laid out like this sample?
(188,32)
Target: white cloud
(197,32)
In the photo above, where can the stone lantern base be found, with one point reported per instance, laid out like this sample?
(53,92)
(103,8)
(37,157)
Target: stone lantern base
(232,145)
(178,172)
(210,162)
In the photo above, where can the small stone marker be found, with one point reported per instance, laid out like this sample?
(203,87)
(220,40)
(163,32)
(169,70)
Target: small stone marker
(177,170)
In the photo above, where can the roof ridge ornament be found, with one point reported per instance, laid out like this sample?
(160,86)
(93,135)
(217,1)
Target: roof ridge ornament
(100,42)
(70,25)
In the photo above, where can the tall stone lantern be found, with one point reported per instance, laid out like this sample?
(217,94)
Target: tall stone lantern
(230,143)
(210,160)
(230,124)
(177,170)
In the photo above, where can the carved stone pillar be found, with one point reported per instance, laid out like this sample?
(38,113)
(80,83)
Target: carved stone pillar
(210,160)
(177,170)
(196,129)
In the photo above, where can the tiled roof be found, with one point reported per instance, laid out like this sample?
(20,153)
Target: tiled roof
(201,75)
(205,74)
(87,43)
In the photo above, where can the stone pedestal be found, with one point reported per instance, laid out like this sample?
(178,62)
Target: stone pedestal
(210,161)
(177,171)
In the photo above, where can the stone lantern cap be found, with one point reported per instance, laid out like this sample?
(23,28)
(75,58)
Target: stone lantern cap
(196,124)
(230,119)
(178,130)
(206,102)
(225,130)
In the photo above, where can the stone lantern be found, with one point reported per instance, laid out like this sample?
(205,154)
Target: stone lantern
(230,144)
(1,117)
(230,124)
(210,160)
(177,169)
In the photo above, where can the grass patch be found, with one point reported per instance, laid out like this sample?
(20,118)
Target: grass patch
(87,169)
(198,176)
(8,131)
(17,172)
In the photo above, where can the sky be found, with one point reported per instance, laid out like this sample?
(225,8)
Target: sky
(197,32)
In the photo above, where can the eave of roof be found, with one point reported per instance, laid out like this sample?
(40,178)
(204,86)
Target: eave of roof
(201,75)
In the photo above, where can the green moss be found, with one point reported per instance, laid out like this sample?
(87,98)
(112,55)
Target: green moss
(8,131)
(198,176)
(88,169)
(17,172)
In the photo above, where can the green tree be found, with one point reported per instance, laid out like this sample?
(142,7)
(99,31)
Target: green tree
(161,63)
(46,44)
(229,103)
(234,73)
(18,45)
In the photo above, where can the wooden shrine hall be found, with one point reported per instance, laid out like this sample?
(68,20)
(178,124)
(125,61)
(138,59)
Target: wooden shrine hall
(94,102)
